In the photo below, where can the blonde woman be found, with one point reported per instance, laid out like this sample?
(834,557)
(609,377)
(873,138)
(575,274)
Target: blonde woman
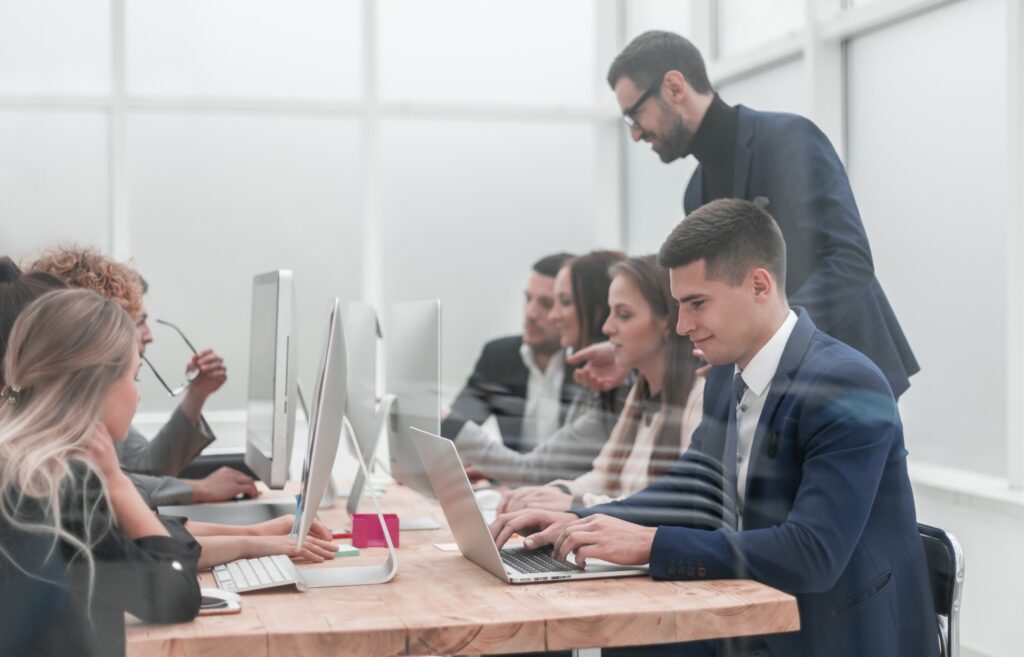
(662,409)
(154,464)
(78,544)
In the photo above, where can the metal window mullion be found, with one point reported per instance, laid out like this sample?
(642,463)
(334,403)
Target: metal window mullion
(1015,245)
(120,228)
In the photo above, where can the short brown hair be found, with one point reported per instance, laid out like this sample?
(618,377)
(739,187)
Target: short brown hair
(732,237)
(89,269)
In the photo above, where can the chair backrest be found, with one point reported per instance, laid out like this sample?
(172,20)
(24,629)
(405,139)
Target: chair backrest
(946,575)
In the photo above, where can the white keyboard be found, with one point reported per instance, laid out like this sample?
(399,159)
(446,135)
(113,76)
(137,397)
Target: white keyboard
(254,574)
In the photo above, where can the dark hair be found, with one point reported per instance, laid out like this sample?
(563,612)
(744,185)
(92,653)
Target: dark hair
(550,264)
(590,278)
(731,236)
(651,55)
(652,280)
(17,291)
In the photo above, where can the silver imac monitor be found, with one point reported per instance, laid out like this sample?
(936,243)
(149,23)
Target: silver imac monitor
(326,417)
(361,332)
(413,352)
(270,412)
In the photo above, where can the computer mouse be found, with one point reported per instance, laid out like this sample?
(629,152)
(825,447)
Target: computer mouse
(487,498)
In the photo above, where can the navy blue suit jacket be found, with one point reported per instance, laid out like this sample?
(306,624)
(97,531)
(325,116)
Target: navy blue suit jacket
(829,513)
(497,387)
(787,163)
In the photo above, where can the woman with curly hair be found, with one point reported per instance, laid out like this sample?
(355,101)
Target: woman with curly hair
(154,464)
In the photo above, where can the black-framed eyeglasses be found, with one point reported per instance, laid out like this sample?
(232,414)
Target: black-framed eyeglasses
(189,378)
(629,115)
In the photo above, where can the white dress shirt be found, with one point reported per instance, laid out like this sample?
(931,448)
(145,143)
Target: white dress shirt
(543,412)
(758,375)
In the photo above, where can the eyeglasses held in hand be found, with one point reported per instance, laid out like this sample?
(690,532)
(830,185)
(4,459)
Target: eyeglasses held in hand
(189,377)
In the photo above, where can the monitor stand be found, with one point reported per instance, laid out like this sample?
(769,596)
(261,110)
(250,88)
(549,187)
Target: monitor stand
(359,484)
(357,575)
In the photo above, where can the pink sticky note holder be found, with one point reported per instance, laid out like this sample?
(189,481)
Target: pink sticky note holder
(367,532)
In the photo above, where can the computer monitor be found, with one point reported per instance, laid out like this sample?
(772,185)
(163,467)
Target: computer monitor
(413,351)
(325,422)
(273,365)
(361,333)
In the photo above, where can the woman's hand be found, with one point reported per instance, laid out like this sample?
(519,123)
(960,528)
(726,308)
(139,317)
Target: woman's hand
(282,526)
(312,549)
(99,448)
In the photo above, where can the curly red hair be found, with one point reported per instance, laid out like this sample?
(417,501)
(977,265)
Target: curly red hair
(89,269)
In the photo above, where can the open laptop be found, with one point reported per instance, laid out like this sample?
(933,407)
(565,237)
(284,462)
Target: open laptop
(515,565)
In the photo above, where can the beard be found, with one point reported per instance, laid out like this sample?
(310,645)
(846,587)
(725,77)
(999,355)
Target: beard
(675,142)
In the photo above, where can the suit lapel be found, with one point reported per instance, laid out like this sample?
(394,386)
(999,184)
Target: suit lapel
(718,389)
(792,357)
(744,149)
(693,198)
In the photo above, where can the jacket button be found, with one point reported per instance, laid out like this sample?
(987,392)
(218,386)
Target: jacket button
(702,571)
(671,570)
(689,571)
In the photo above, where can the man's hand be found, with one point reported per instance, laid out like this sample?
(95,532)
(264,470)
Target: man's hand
(543,526)
(222,485)
(600,372)
(607,538)
(535,497)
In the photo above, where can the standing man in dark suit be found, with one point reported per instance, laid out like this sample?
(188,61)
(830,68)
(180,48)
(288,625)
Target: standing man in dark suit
(520,379)
(806,445)
(784,163)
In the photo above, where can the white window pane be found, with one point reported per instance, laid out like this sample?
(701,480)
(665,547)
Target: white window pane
(654,196)
(667,15)
(778,89)
(55,47)
(747,24)
(463,219)
(217,199)
(467,51)
(302,49)
(928,165)
(54,180)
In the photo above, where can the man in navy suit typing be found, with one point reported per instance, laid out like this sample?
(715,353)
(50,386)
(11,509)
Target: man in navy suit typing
(802,444)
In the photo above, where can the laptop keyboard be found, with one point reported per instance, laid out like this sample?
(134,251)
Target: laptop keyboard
(250,574)
(536,561)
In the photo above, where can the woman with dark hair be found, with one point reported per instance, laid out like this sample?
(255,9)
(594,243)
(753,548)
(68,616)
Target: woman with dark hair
(581,307)
(17,290)
(662,409)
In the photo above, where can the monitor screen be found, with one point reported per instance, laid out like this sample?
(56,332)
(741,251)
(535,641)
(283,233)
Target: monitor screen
(262,364)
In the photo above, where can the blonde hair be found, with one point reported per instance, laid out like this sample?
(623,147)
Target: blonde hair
(89,269)
(65,353)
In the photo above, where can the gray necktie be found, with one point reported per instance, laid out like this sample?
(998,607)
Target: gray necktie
(730,455)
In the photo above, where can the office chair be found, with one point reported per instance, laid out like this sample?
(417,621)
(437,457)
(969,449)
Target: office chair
(946,575)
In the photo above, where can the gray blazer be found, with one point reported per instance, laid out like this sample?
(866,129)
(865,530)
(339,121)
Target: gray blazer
(566,454)
(153,464)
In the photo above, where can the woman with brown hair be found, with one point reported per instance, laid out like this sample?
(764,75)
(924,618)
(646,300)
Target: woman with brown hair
(662,409)
(581,308)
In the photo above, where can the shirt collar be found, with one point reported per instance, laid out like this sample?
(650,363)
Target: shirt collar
(556,363)
(761,369)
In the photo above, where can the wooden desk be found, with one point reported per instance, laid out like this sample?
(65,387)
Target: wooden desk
(441,604)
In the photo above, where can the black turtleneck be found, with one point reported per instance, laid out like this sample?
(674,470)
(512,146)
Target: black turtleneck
(714,146)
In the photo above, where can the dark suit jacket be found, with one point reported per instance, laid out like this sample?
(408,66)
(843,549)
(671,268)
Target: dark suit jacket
(786,162)
(497,387)
(829,513)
